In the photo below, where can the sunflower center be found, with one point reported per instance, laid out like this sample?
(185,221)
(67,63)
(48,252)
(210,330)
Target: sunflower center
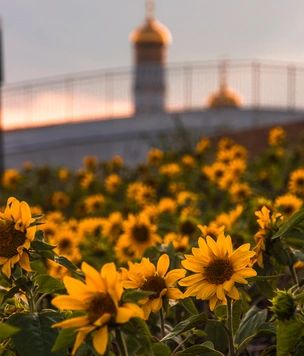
(65,243)
(187,228)
(300,182)
(141,233)
(101,304)
(288,209)
(154,284)
(218,271)
(10,240)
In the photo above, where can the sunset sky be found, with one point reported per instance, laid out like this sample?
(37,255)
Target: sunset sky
(45,38)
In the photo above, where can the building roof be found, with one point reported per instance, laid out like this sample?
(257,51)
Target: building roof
(151,31)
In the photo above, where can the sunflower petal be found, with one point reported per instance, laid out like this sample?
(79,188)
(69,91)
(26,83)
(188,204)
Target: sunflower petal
(82,333)
(73,322)
(94,281)
(174,293)
(69,303)
(163,265)
(76,288)
(174,275)
(100,340)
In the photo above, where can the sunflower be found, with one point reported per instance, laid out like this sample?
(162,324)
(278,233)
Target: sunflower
(93,203)
(11,178)
(145,195)
(170,170)
(296,181)
(60,200)
(139,234)
(64,174)
(148,278)
(100,298)
(188,162)
(215,172)
(288,204)
(180,243)
(240,192)
(16,234)
(112,183)
(202,145)
(217,268)
(155,156)
(87,180)
(167,205)
(90,162)
(112,226)
(276,136)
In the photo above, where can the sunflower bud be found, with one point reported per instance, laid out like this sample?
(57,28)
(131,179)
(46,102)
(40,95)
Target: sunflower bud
(283,305)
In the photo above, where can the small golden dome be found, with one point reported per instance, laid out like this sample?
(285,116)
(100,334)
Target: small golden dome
(152,31)
(225,97)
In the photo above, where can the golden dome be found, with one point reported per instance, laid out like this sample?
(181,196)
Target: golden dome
(152,31)
(225,97)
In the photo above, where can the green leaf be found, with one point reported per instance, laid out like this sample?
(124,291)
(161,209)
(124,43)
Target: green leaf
(48,284)
(289,334)
(131,295)
(185,325)
(221,311)
(263,278)
(203,349)
(188,304)
(160,350)
(236,315)
(294,239)
(7,331)
(41,246)
(250,323)
(63,261)
(292,222)
(65,339)
(10,294)
(36,335)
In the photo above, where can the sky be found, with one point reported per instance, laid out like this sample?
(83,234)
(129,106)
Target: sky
(43,38)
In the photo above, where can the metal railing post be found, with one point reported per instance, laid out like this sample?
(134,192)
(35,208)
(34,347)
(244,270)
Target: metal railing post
(255,84)
(291,87)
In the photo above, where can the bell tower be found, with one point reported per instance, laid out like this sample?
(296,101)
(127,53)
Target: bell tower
(150,41)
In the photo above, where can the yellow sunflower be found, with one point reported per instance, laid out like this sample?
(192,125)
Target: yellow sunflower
(288,204)
(60,200)
(112,226)
(155,156)
(202,145)
(276,136)
(113,183)
(296,181)
(90,162)
(217,268)
(148,278)
(16,234)
(170,170)
(11,178)
(214,172)
(240,192)
(93,203)
(100,298)
(139,234)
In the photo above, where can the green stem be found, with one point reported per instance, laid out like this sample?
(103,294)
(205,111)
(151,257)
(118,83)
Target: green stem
(162,323)
(294,275)
(230,327)
(40,299)
(121,343)
(31,303)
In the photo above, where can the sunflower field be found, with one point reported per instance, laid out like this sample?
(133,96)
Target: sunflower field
(199,250)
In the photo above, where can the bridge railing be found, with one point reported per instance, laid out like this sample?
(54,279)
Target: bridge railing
(107,94)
